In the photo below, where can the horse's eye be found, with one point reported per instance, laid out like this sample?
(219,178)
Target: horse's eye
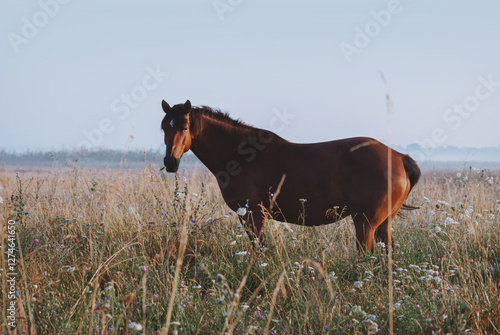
(185,129)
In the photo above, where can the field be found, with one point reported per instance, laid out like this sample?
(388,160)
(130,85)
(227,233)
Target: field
(142,251)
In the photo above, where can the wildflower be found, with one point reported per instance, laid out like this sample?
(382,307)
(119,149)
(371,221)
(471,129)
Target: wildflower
(381,244)
(442,202)
(71,269)
(426,199)
(437,229)
(197,287)
(448,221)
(332,275)
(302,200)
(263,265)
(245,306)
(372,326)
(241,211)
(1,200)
(144,268)
(241,253)
(232,243)
(134,326)
(358,284)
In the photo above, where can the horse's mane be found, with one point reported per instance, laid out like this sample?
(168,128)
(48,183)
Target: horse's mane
(216,114)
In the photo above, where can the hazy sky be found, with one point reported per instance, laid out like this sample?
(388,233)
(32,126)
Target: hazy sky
(94,72)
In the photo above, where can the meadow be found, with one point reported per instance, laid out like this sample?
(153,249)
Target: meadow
(112,251)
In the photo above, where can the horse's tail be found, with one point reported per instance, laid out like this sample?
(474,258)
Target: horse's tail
(413,173)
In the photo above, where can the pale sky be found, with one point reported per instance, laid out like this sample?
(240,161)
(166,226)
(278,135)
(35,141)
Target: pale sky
(73,69)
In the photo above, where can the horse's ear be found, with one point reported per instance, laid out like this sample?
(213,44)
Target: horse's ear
(187,106)
(165,106)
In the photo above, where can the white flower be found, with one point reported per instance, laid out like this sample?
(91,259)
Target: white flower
(372,326)
(358,284)
(134,326)
(332,275)
(448,221)
(441,202)
(175,323)
(197,287)
(263,265)
(241,253)
(382,244)
(232,243)
(35,286)
(71,269)
(241,211)
(437,229)
(459,175)
(1,200)
(302,200)
(426,199)
(244,306)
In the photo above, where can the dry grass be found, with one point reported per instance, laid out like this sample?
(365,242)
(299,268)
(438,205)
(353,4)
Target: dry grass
(103,249)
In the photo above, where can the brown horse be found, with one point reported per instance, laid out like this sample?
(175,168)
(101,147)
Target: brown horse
(337,178)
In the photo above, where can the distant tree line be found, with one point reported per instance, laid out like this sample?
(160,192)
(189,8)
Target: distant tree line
(110,158)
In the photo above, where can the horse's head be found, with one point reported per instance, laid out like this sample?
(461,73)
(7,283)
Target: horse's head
(176,125)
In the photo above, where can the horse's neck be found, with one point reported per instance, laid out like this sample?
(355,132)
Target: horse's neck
(217,143)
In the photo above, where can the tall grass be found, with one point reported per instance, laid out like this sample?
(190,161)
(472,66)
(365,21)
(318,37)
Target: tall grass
(115,252)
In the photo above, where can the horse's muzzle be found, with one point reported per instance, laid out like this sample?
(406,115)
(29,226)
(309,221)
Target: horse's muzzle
(171,164)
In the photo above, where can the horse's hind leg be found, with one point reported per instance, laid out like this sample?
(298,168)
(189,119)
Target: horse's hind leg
(384,232)
(365,232)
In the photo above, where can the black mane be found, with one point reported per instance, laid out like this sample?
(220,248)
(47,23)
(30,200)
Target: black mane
(215,114)
(197,112)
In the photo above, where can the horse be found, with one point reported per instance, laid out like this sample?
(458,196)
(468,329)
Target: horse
(318,183)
